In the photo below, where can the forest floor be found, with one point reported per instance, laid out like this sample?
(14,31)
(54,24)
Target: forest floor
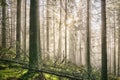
(12,71)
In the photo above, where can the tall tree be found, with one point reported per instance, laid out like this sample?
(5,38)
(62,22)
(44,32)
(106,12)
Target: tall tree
(54,2)
(114,42)
(60,34)
(18,29)
(104,75)
(118,73)
(11,34)
(4,23)
(119,54)
(25,29)
(88,39)
(66,6)
(34,47)
(43,31)
(48,23)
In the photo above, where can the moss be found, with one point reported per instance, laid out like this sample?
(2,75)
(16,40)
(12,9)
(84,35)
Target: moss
(51,77)
(29,75)
(11,72)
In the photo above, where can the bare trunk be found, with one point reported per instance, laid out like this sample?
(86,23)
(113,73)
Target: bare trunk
(43,52)
(4,23)
(88,61)
(119,50)
(80,49)
(18,29)
(66,1)
(114,43)
(11,40)
(48,23)
(34,47)
(25,30)
(60,35)
(54,32)
(104,75)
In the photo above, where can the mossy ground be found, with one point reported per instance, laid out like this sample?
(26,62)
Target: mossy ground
(8,72)
(15,73)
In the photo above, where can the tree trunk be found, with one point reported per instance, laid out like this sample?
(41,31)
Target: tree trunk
(104,75)
(119,48)
(8,36)
(114,43)
(88,61)
(80,48)
(11,35)
(18,29)
(4,23)
(25,29)
(54,45)
(60,35)
(43,33)
(34,47)
(119,54)
(66,1)
(48,23)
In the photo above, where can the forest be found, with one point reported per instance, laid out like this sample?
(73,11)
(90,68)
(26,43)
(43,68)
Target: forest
(59,39)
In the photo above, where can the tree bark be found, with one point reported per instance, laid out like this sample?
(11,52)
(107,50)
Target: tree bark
(114,42)
(118,73)
(66,2)
(3,23)
(80,48)
(11,35)
(18,29)
(60,35)
(104,75)
(48,23)
(25,29)
(88,61)
(54,45)
(34,47)
(43,22)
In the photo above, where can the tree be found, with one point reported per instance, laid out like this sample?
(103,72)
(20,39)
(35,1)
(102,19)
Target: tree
(25,28)
(54,29)
(114,42)
(80,48)
(104,75)
(66,6)
(11,34)
(119,46)
(48,23)
(60,34)
(4,23)
(34,40)
(43,31)
(88,39)
(18,29)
